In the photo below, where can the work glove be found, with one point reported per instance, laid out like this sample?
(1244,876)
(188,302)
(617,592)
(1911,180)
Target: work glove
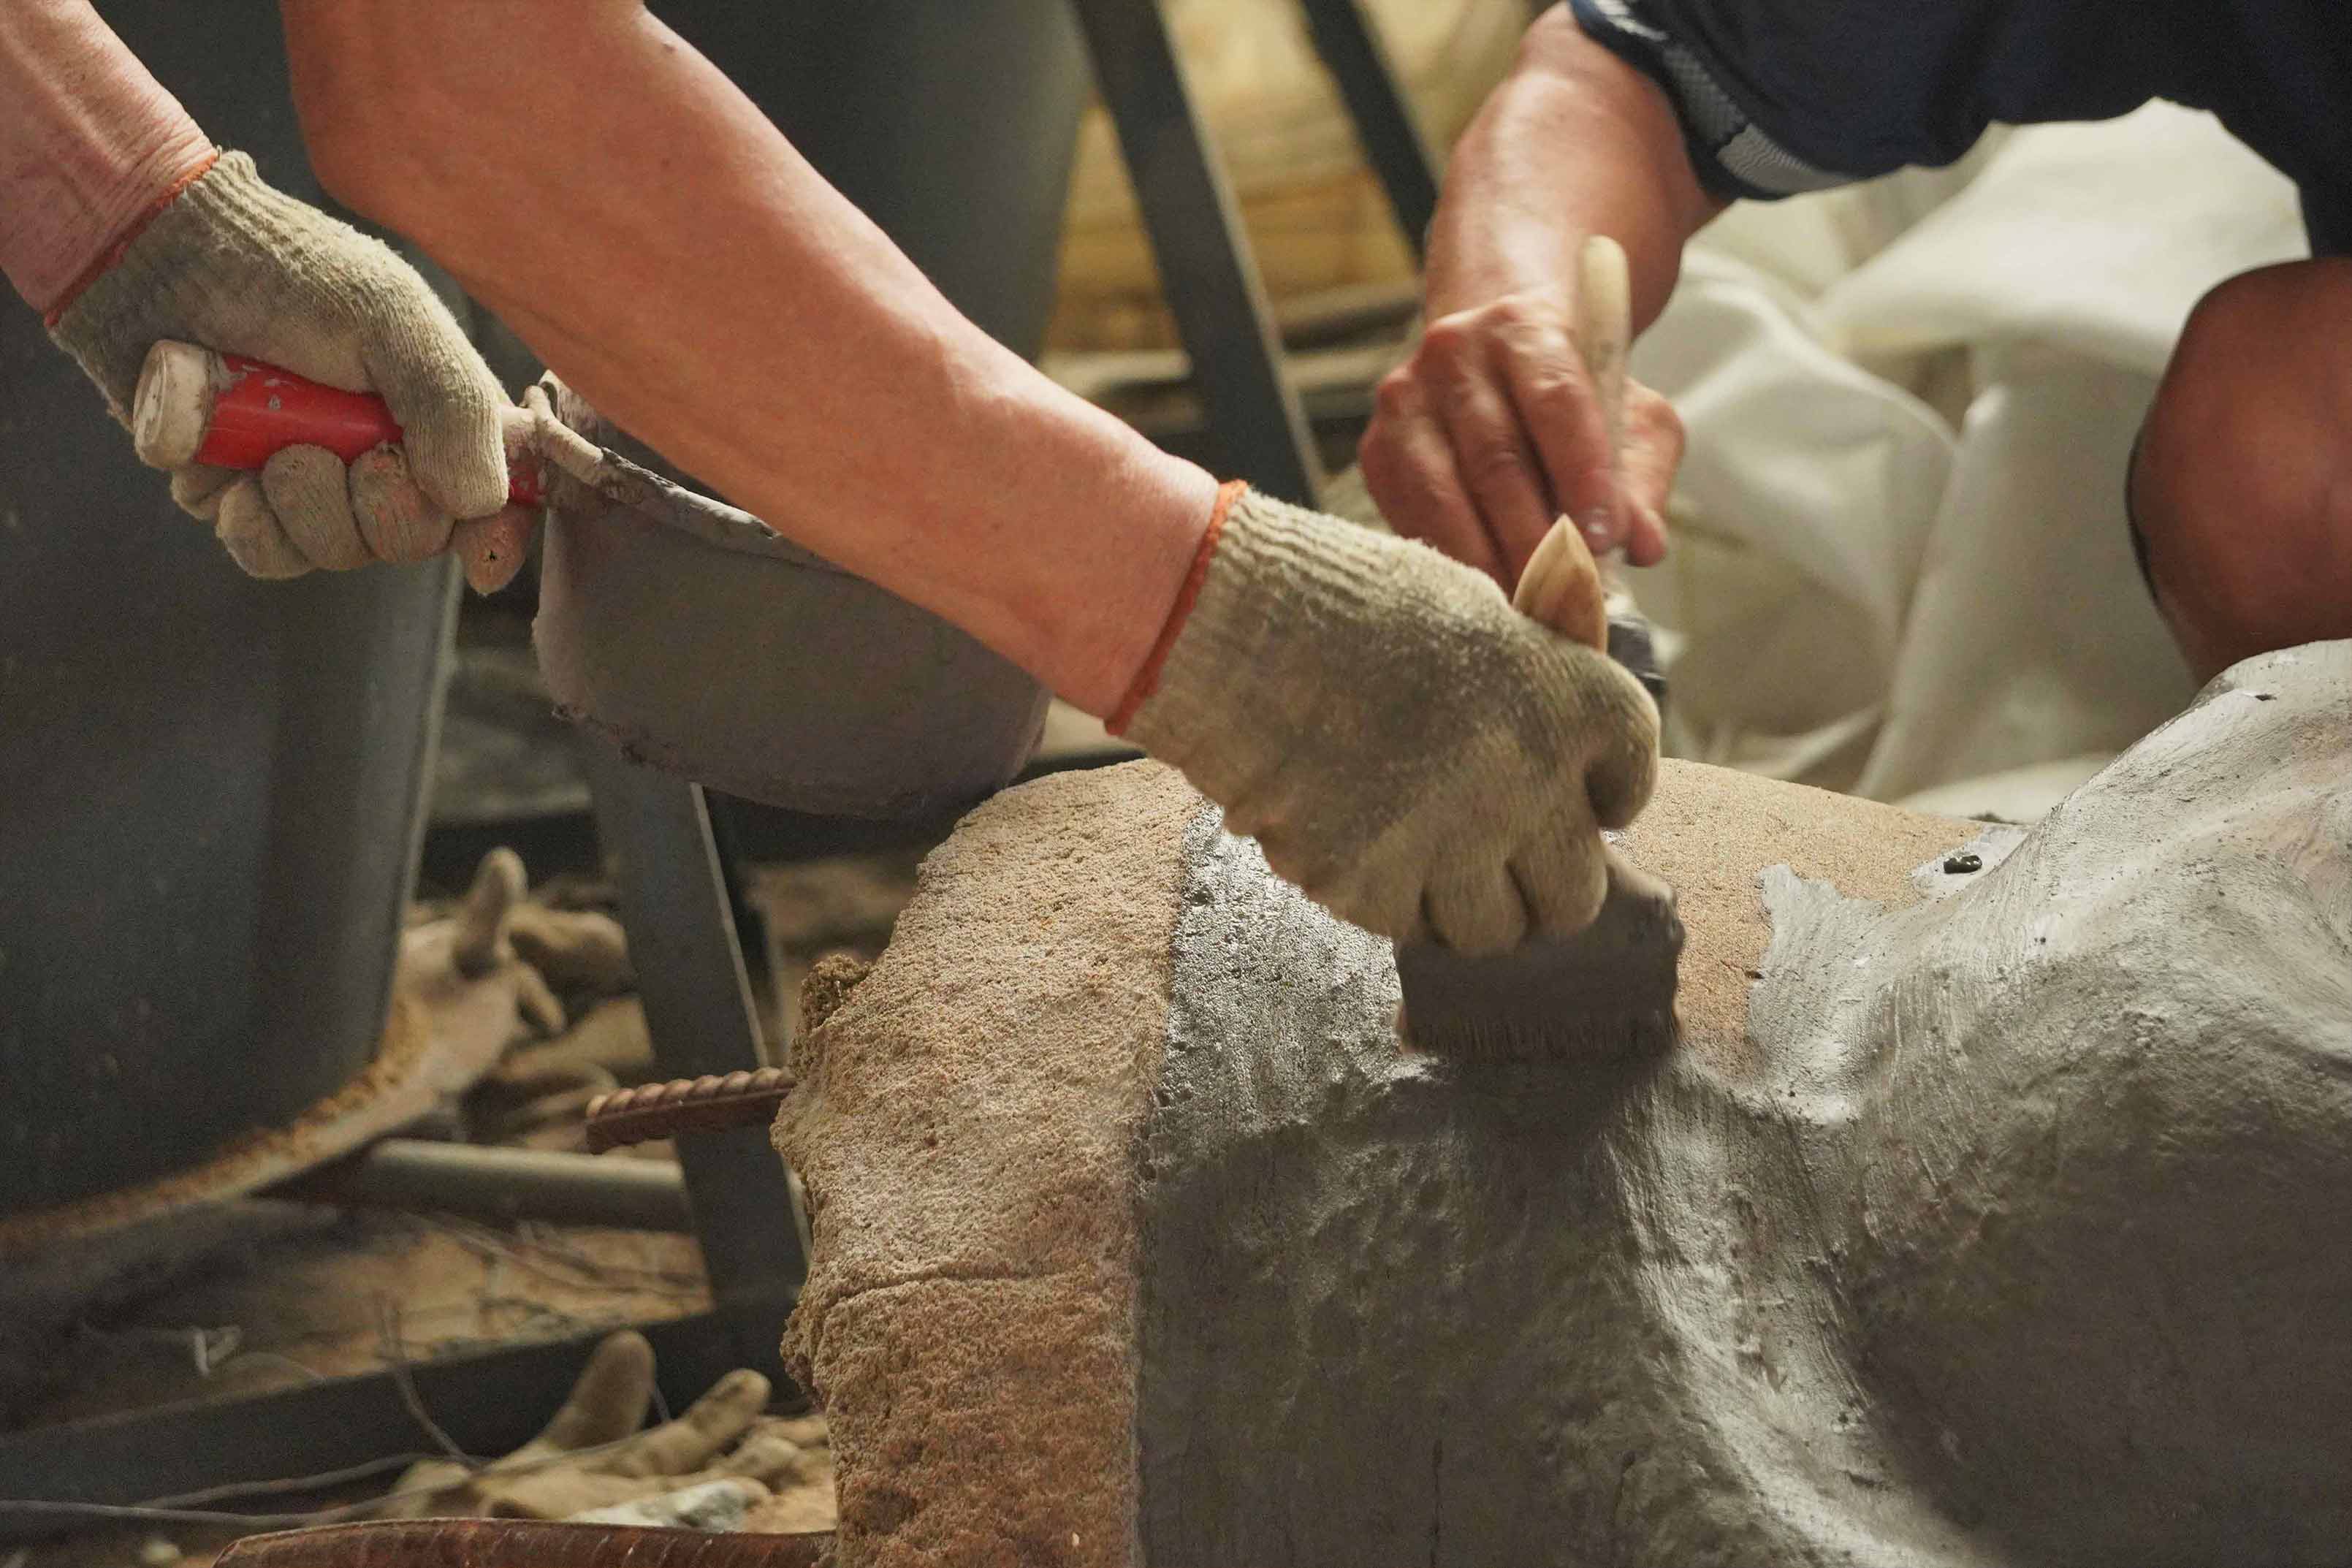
(596,1452)
(1420,758)
(236,265)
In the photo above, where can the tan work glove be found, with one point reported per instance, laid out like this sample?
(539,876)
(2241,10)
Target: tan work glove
(1420,758)
(236,265)
(597,1452)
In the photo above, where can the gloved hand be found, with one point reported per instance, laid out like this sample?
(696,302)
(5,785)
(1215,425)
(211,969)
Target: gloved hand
(233,265)
(1421,759)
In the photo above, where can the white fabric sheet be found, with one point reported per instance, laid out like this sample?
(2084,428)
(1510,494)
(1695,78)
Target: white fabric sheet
(1901,566)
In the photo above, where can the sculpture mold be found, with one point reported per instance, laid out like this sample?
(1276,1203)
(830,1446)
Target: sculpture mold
(1991,1217)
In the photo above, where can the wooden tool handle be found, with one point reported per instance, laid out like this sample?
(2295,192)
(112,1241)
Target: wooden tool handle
(1561,585)
(1604,329)
(195,406)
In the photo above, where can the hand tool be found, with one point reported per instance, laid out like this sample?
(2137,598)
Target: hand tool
(194,405)
(1608,990)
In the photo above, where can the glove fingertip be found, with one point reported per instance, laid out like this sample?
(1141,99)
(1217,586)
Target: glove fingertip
(397,519)
(309,493)
(197,490)
(253,536)
(493,548)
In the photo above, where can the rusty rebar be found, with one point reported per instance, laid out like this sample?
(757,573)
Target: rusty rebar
(685,1105)
(519,1544)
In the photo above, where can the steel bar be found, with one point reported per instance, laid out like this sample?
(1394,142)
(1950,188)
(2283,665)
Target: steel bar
(489,1404)
(1349,42)
(502,1186)
(522,1544)
(1205,267)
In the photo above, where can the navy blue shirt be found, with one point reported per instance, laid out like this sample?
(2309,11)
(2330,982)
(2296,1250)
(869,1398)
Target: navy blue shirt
(1781,96)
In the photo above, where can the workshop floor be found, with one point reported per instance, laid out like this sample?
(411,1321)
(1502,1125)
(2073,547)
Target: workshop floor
(302,1294)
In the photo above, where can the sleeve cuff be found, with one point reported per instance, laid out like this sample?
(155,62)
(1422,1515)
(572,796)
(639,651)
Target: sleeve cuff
(1735,157)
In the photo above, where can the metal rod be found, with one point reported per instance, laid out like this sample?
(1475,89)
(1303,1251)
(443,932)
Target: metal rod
(1205,267)
(655,830)
(502,1185)
(522,1544)
(1349,42)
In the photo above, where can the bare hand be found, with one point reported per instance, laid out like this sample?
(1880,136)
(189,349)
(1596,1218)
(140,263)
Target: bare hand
(1492,429)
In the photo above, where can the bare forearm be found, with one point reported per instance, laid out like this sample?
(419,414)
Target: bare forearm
(664,249)
(89,143)
(1575,142)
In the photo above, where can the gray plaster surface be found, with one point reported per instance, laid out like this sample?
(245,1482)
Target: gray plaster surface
(2021,1231)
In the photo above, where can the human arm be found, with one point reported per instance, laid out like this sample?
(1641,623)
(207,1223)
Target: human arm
(1491,429)
(1648,115)
(123,223)
(89,143)
(1404,746)
(661,246)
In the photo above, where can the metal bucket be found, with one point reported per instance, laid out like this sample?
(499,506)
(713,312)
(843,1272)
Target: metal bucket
(771,675)
(779,677)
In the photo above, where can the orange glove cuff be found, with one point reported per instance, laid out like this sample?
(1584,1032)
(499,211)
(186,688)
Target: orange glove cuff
(132,231)
(1147,679)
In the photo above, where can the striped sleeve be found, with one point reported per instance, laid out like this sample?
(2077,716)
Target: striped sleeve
(1734,156)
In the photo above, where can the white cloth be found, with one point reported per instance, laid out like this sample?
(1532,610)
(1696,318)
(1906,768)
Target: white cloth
(1901,563)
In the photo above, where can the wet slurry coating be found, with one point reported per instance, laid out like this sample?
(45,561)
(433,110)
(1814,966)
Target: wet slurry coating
(2019,1230)
(1995,1216)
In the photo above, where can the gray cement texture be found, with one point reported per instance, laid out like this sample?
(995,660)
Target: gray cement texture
(1978,1216)
(2022,1232)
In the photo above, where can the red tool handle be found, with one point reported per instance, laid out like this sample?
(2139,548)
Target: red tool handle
(197,406)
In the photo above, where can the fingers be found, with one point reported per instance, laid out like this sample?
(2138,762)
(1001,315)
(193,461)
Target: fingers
(248,530)
(396,518)
(1536,357)
(305,509)
(493,548)
(710,1424)
(448,405)
(608,1402)
(197,490)
(1378,892)
(1652,452)
(1476,909)
(1490,431)
(310,491)
(1562,876)
(1407,462)
(1495,462)
(767,1456)
(500,884)
(1622,770)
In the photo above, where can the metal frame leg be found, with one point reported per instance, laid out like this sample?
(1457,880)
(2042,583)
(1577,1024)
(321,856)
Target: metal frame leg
(655,830)
(1350,45)
(1205,266)
(698,1005)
